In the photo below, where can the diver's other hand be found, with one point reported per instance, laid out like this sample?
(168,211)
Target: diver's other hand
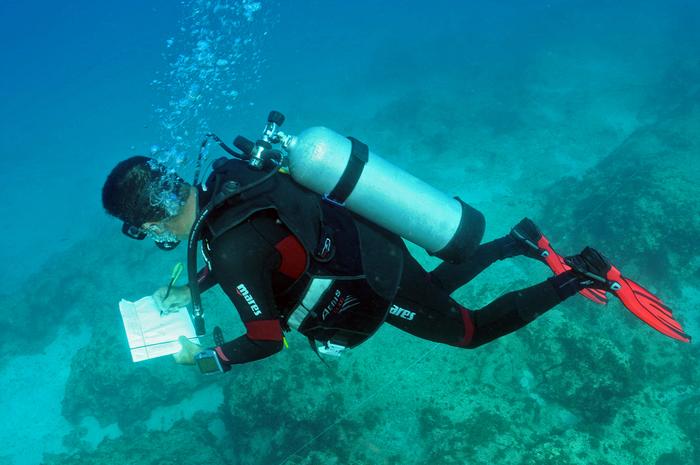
(179,297)
(188,351)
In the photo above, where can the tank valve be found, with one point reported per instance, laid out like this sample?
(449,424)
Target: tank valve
(258,152)
(271,134)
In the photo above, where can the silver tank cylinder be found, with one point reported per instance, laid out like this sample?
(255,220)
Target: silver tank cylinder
(384,193)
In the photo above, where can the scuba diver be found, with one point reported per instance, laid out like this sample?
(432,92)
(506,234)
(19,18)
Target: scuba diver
(328,259)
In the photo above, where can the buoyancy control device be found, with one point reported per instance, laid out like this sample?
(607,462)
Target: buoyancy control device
(347,173)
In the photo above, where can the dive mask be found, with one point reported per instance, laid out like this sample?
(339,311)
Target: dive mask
(140,234)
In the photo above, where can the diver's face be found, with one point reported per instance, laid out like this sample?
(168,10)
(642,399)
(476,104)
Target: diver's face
(178,227)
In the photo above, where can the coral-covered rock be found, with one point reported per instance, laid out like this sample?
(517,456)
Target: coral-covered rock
(185,443)
(590,376)
(645,431)
(106,384)
(639,204)
(281,403)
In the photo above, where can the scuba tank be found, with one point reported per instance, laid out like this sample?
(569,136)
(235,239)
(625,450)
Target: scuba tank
(344,171)
(348,173)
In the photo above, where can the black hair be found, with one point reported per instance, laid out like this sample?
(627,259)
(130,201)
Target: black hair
(136,188)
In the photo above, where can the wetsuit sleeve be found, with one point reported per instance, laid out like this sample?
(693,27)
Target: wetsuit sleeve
(243,261)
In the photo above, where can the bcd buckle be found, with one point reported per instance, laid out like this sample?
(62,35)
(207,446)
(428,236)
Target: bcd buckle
(325,250)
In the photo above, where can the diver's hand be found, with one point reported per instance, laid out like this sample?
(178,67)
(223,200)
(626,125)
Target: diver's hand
(179,297)
(188,351)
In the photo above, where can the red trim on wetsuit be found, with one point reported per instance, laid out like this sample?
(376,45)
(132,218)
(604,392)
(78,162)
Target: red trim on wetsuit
(293,255)
(264,330)
(222,356)
(468,327)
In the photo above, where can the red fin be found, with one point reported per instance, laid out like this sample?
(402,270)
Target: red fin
(558,266)
(596,295)
(646,306)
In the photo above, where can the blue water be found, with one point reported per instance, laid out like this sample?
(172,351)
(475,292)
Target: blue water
(507,105)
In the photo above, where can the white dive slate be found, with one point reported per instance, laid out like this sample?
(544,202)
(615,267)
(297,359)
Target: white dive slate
(151,334)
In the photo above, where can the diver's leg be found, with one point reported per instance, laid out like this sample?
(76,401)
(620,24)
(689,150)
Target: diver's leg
(451,277)
(517,309)
(524,239)
(427,311)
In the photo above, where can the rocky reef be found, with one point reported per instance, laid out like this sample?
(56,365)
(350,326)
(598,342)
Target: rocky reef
(184,443)
(583,385)
(639,204)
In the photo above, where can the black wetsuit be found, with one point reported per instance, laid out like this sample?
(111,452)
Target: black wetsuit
(259,258)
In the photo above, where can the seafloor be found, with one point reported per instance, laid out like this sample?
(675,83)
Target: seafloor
(583,385)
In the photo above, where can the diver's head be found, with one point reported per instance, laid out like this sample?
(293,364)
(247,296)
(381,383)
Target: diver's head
(151,201)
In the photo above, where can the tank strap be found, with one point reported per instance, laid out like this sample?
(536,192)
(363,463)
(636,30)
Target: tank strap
(359,155)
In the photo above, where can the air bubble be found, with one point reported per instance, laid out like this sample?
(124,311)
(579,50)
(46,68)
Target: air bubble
(211,60)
